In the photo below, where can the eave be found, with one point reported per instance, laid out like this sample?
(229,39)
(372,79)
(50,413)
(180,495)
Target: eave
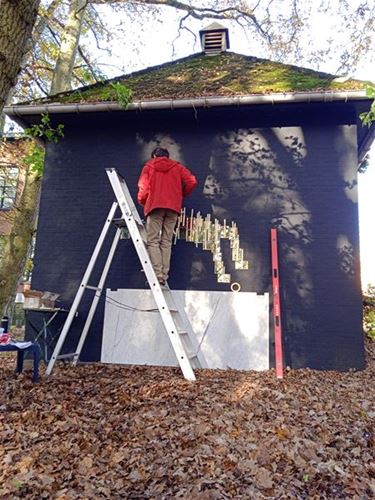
(198,102)
(20,112)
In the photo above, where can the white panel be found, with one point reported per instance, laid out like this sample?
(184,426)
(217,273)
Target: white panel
(232,329)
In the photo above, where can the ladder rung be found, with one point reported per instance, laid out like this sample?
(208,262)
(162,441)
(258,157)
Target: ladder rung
(191,355)
(65,356)
(119,222)
(89,287)
(182,332)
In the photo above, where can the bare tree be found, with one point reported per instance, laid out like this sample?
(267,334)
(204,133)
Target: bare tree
(286,29)
(282,29)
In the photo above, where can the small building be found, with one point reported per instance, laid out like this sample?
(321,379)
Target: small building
(19,187)
(272,145)
(13,150)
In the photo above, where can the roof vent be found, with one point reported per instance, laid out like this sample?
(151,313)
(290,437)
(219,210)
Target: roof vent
(214,39)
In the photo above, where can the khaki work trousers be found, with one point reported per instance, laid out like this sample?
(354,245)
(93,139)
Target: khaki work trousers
(160,225)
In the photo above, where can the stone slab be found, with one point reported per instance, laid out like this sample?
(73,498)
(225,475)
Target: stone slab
(231,329)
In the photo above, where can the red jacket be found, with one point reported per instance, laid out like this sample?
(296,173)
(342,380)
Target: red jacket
(163,184)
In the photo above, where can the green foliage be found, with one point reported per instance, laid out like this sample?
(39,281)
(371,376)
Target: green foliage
(369,311)
(123,94)
(35,158)
(43,130)
(363,166)
(2,245)
(370,320)
(17,484)
(369,117)
(117,92)
(28,267)
(370,92)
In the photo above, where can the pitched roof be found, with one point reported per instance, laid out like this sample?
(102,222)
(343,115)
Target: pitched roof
(224,75)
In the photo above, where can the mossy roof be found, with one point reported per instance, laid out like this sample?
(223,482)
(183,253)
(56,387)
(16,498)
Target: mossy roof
(227,74)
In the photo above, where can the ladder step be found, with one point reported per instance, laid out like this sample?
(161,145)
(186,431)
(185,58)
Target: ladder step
(182,332)
(119,222)
(191,355)
(65,356)
(89,287)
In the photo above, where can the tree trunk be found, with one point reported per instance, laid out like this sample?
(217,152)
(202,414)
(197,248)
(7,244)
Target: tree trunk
(16,23)
(68,50)
(16,244)
(39,27)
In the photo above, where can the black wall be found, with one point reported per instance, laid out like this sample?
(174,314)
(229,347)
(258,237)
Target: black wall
(291,167)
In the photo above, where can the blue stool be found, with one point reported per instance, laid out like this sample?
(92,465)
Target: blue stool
(33,348)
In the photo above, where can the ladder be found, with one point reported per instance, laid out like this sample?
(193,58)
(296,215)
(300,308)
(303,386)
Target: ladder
(175,322)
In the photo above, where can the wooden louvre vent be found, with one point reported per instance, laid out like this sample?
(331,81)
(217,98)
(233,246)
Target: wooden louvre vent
(214,39)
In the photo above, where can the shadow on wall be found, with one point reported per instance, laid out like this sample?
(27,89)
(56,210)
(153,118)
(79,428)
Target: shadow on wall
(278,177)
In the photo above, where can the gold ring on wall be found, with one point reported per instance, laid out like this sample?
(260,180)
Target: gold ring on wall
(235,287)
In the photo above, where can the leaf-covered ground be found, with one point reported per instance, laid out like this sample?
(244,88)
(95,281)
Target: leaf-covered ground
(137,432)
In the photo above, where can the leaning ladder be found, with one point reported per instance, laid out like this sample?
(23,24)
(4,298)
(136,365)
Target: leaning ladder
(176,323)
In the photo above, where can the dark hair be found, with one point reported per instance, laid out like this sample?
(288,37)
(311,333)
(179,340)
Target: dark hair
(160,152)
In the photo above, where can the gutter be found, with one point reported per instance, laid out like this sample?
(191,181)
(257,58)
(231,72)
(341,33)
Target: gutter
(200,102)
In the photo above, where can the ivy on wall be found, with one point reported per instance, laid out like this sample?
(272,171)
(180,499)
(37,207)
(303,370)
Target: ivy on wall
(369,117)
(41,131)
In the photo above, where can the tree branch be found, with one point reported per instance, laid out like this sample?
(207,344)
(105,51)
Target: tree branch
(36,81)
(88,63)
(181,27)
(228,13)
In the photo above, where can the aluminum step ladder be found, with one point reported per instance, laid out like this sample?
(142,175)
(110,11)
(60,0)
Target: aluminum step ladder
(175,322)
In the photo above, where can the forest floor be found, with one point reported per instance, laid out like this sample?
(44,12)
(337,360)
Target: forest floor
(104,431)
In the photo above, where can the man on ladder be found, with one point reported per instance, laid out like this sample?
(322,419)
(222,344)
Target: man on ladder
(162,185)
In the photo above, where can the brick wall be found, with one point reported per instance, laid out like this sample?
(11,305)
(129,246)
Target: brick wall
(293,168)
(12,152)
